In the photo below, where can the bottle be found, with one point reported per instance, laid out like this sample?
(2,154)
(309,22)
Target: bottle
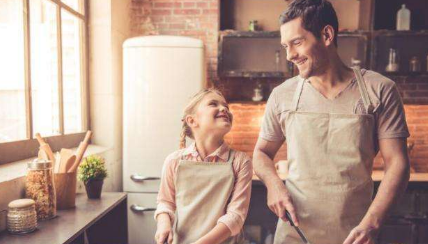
(393,61)
(277,60)
(403,18)
(258,93)
(415,65)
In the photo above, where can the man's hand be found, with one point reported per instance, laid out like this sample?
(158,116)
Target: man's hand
(164,230)
(362,234)
(279,201)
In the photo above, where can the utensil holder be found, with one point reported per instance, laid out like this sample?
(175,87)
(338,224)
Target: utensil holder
(65,185)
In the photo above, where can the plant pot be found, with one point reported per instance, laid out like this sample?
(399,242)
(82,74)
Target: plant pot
(93,188)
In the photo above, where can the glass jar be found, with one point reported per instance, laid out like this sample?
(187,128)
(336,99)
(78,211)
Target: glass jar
(40,187)
(415,65)
(254,25)
(21,216)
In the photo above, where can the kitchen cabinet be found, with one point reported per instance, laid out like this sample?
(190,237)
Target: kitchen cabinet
(385,12)
(407,44)
(256,54)
(259,54)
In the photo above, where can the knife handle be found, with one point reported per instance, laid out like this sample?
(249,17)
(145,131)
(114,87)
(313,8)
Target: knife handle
(288,216)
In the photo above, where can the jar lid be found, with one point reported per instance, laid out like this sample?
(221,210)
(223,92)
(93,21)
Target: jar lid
(40,164)
(21,203)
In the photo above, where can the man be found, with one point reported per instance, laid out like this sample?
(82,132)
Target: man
(335,120)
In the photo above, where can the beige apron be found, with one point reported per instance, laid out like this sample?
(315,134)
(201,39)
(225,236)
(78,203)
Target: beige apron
(203,190)
(330,164)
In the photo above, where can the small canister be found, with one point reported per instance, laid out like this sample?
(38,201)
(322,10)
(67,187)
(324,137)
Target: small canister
(254,26)
(415,65)
(39,186)
(21,216)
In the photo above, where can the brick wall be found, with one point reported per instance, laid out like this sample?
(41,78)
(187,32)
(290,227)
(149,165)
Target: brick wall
(200,19)
(193,18)
(248,117)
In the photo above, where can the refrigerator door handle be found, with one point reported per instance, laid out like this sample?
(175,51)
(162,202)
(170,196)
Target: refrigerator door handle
(140,178)
(138,209)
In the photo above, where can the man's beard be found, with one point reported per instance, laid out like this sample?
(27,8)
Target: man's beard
(315,67)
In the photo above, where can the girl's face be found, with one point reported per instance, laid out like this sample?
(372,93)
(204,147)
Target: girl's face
(212,115)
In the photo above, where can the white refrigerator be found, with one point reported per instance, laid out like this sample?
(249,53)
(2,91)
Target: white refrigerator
(160,75)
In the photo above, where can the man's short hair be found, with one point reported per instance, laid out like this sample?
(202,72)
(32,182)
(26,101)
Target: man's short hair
(315,14)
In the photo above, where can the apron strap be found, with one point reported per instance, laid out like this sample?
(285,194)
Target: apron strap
(363,90)
(297,94)
(231,156)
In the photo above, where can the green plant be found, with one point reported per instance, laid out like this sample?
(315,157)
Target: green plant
(92,168)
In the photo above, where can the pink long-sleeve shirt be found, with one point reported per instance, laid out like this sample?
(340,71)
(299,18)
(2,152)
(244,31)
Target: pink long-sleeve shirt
(236,210)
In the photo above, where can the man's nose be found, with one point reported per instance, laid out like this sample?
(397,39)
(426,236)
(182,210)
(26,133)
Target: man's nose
(291,54)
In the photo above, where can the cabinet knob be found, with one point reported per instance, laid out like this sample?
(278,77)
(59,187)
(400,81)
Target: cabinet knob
(138,209)
(140,178)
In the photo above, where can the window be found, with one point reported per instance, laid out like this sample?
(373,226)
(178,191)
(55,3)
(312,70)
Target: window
(43,74)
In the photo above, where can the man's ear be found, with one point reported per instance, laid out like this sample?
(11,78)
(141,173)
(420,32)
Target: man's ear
(191,121)
(327,35)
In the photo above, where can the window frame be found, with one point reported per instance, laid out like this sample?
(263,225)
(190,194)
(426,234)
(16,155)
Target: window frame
(23,149)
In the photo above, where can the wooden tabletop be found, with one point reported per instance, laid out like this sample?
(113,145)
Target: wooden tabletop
(69,223)
(376,176)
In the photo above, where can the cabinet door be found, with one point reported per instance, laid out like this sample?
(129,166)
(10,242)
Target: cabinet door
(395,234)
(423,234)
(141,224)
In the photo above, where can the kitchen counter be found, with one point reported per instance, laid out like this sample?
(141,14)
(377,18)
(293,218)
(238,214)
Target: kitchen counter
(376,176)
(92,221)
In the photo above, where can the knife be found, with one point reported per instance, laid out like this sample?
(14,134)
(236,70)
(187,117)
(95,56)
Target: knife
(288,216)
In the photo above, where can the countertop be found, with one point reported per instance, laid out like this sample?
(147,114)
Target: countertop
(376,176)
(70,223)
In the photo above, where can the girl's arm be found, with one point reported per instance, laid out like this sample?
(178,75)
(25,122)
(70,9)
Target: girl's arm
(217,235)
(165,210)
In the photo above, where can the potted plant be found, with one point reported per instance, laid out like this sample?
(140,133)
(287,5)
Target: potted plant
(92,172)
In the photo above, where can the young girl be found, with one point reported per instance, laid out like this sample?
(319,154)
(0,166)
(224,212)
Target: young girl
(205,188)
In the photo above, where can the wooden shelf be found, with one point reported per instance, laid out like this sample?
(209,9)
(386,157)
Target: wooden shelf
(254,74)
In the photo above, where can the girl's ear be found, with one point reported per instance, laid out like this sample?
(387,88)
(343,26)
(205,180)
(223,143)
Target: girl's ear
(191,121)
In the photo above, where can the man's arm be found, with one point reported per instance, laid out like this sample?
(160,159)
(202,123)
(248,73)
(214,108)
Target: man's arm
(279,199)
(394,183)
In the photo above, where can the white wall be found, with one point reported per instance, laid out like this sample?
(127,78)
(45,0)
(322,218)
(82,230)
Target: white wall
(108,27)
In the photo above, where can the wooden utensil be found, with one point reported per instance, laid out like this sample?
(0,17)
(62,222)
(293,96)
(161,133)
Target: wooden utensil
(65,155)
(80,151)
(45,147)
(42,154)
(69,163)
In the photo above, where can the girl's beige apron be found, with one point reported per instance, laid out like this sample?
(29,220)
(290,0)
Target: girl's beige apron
(203,190)
(330,164)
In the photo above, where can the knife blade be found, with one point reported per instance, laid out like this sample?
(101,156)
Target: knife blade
(302,236)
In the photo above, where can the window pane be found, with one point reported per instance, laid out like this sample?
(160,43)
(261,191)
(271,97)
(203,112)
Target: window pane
(44,67)
(72,72)
(77,5)
(12,79)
